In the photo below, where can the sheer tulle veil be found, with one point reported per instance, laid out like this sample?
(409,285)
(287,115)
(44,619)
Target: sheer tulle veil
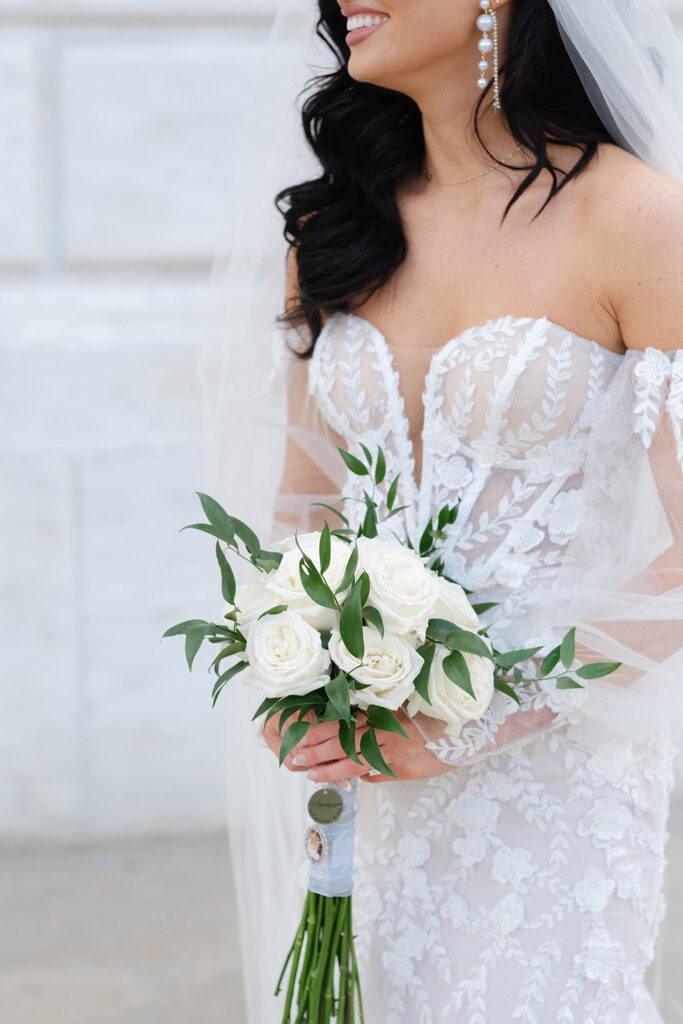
(631,64)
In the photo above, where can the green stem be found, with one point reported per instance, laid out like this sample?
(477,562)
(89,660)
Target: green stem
(296,950)
(310,942)
(313,944)
(343,963)
(339,919)
(318,972)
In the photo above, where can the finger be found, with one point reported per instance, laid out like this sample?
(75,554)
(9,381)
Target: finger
(321,753)
(319,732)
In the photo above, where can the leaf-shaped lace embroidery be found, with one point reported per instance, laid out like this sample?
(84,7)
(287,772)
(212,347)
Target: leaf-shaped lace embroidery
(651,373)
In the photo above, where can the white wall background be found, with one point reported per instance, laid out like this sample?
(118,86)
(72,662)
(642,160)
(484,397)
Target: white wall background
(114,138)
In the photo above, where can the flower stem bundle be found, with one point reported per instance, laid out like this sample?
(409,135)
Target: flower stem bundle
(323,973)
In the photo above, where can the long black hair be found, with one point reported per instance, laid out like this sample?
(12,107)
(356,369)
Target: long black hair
(345,224)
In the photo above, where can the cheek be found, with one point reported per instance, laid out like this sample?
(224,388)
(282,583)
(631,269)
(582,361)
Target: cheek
(420,36)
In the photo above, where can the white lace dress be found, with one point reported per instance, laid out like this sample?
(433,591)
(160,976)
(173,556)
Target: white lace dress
(526,884)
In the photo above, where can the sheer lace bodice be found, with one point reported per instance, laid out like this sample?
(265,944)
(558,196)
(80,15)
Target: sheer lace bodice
(445,866)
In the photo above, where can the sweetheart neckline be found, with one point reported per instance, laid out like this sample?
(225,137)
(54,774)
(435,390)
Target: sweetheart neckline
(438,353)
(439,350)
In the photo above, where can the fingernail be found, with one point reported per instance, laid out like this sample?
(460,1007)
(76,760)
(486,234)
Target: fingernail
(312,775)
(299,760)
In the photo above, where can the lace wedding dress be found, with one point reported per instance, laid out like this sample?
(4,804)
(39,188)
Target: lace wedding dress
(526,884)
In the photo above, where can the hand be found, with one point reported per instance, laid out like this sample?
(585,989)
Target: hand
(321,752)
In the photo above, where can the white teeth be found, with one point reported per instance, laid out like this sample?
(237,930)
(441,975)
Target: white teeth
(365,20)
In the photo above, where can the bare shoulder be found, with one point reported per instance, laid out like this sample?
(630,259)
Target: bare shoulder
(637,212)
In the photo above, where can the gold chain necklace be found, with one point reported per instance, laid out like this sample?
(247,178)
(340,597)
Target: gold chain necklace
(459,181)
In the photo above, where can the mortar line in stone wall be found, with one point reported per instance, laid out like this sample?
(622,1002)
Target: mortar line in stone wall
(78,640)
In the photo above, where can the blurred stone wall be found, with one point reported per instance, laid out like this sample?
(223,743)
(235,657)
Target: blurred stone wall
(115,123)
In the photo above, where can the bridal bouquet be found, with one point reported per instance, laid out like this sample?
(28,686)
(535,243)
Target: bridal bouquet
(351,625)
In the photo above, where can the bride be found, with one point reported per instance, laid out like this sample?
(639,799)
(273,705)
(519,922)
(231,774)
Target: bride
(487,280)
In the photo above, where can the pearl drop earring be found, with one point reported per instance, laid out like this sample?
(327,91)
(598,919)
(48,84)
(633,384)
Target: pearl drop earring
(485,23)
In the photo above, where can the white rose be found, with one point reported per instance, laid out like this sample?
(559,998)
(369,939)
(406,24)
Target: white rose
(286,656)
(450,703)
(402,589)
(285,586)
(251,600)
(452,604)
(388,668)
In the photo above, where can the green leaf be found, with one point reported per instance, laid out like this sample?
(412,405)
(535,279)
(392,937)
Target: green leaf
(568,648)
(194,639)
(324,549)
(364,583)
(479,609)
(316,587)
(268,561)
(308,701)
(351,622)
(352,463)
(216,531)
(338,692)
(372,616)
(347,739)
(185,627)
(349,571)
(381,467)
(384,719)
(228,583)
(550,661)
(228,651)
(438,629)
(464,640)
(427,539)
(566,683)
(294,735)
(395,512)
(225,679)
(392,492)
(275,610)
(264,706)
(511,658)
(457,670)
(369,525)
(369,748)
(508,690)
(321,504)
(421,681)
(598,669)
(238,667)
(366,453)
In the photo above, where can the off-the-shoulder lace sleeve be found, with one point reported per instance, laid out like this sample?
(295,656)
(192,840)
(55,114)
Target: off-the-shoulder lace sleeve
(620,581)
(658,392)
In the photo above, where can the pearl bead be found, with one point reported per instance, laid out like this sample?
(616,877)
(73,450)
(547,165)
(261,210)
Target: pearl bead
(484,22)
(482,83)
(485,45)
(483,65)
(484,4)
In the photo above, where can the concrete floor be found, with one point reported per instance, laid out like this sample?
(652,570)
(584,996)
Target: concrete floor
(144,933)
(128,933)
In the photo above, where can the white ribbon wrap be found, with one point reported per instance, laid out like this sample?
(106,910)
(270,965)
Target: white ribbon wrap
(333,876)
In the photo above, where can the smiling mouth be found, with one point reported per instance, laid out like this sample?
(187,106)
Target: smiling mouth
(361,25)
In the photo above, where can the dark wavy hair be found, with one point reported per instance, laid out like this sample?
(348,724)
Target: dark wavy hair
(345,224)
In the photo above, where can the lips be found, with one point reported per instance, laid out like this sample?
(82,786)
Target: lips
(350,9)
